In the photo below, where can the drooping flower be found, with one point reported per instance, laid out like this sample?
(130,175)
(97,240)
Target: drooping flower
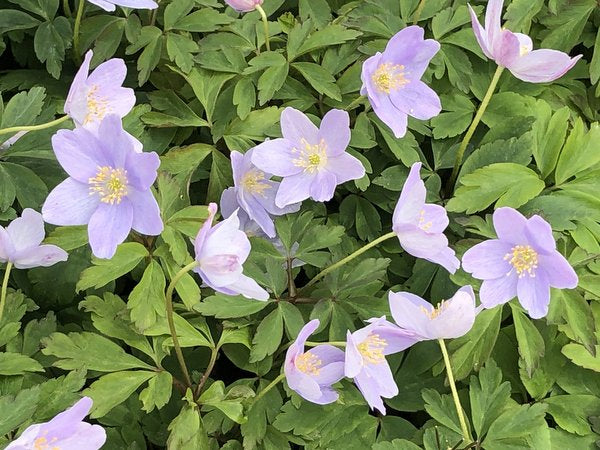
(21,243)
(109,5)
(253,192)
(420,226)
(515,50)
(312,373)
(244,5)
(452,318)
(220,253)
(392,80)
(365,359)
(108,186)
(311,160)
(66,431)
(522,262)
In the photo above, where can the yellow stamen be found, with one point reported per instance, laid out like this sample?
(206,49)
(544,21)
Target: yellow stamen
(524,259)
(309,363)
(311,157)
(110,184)
(97,107)
(253,182)
(422,224)
(389,77)
(435,312)
(372,348)
(42,443)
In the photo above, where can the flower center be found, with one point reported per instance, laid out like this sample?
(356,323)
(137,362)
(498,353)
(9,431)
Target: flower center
(253,182)
(97,107)
(423,225)
(309,363)
(110,184)
(435,312)
(388,77)
(311,157)
(371,349)
(524,259)
(42,443)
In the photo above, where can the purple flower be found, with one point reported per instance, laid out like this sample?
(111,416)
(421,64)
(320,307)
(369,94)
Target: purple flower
(312,373)
(109,5)
(522,262)
(244,5)
(108,186)
(66,431)
(20,243)
(420,225)
(311,160)
(392,80)
(365,359)
(514,50)
(254,192)
(94,96)
(451,319)
(220,252)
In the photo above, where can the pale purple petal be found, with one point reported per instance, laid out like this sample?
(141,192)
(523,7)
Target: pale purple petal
(541,66)
(345,167)
(417,99)
(456,317)
(506,48)
(370,392)
(525,42)
(104,4)
(335,131)
(276,156)
(382,375)
(332,368)
(409,48)
(434,218)
(421,244)
(239,165)
(485,261)
(244,5)
(446,258)
(391,116)
(109,5)
(534,294)
(480,34)
(498,291)
(368,87)
(328,395)
(493,16)
(7,250)
(323,186)
(410,312)
(108,227)
(77,91)
(249,288)
(70,203)
(538,233)
(111,72)
(226,238)
(510,225)
(116,144)
(39,256)
(397,339)
(79,153)
(296,126)
(305,332)
(141,169)
(26,231)
(294,189)
(257,213)
(229,201)
(146,213)
(560,273)
(412,198)
(204,230)
(353,361)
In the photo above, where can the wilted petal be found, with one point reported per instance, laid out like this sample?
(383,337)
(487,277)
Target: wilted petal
(26,231)
(485,261)
(560,273)
(534,294)
(296,126)
(335,131)
(108,227)
(69,203)
(541,66)
(498,291)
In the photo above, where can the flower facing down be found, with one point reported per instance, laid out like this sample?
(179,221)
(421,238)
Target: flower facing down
(66,431)
(109,5)
(365,359)
(311,160)
(254,192)
(522,262)
(420,226)
(451,319)
(515,50)
(392,80)
(20,243)
(220,252)
(244,5)
(108,186)
(312,373)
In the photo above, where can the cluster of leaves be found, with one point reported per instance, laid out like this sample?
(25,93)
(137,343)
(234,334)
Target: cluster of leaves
(204,89)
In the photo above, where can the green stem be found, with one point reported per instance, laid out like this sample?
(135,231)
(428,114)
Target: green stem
(209,369)
(41,126)
(270,386)
(78,18)
(349,258)
(265,21)
(355,103)
(4,287)
(459,410)
(418,12)
(471,130)
(67,9)
(169,305)
(334,343)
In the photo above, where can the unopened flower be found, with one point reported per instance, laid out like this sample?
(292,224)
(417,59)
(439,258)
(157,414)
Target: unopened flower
(522,262)
(365,359)
(420,226)
(312,373)
(21,243)
(244,5)
(452,318)
(515,50)
(66,431)
(108,186)
(392,80)
(254,192)
(109,5)
(220,252)
(311,160)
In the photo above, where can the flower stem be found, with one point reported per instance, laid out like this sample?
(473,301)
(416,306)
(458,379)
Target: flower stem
(349,258)
(471,130)
(459,410)
(334,343)
(169,305)
(270,386)
(418,12)
(265,21)
(76,27)
(41,126)
(67,9)
(4,287)
(209,368)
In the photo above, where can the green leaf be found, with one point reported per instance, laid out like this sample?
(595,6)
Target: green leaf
(319,78)
(229,307)
(17,409)
(12,19)
(23,108)
(174,112)
(292,318)
(181,50)
(489,396)
(268,336)
(578,152)
(518,427)
(221,176)
(514,150)
(580,356)
(68,238)
(318,10)
(203,20)
(51,41)
(7,189)
(332,34)
(216,397)
(17,364)
(187,431)
(175,11)
(147,299)
(531,342)
(31,191)
(549,130)
(151,40)
(456,118)
(396,444)
(572,412)
(244,97)
(158,392)
(440,408)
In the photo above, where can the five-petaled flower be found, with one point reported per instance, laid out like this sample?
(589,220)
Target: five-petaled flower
(244,5)
(66,431)
(515,50)
(392,80)
(312,373)
(311,160)
(109,5)
(20,243)
(220,252)
(452,318)
(108,186)
(420,226)
(365,359)
(522,262)
(253,192)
